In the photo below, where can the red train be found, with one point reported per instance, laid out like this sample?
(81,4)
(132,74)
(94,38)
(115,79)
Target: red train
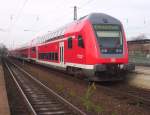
(91,45)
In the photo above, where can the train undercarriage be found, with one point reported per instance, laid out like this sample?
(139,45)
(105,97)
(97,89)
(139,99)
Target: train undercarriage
(110,72)
(100,72)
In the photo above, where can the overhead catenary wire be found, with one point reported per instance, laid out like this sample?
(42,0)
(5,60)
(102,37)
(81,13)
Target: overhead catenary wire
(62,15)
(17,16)
(82,6)
(57,19)
(12,24)
(60,5)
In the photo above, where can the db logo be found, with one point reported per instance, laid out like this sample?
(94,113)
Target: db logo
(113,60)
(79,56)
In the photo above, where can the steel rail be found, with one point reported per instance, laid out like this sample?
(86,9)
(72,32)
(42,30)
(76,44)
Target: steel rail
(51,91)
(31,109)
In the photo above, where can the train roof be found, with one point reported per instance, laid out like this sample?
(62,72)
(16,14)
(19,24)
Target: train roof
(95,18)
(101,18)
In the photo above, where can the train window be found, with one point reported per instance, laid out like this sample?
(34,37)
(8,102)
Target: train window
(33,49)
(70,42)
(80,42)
(42,55)
(56,56)
(46,55)
(39,56)
(52,56)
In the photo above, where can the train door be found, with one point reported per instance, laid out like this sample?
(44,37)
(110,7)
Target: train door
(37,56)
(61,52)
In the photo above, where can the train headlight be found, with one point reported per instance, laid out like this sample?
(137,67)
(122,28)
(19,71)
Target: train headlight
(118,50)
(104,50)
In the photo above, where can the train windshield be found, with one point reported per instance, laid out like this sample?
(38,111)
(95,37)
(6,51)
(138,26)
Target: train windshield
(109,37)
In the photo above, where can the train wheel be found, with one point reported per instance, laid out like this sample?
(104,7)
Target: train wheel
(70,70)
(79,73)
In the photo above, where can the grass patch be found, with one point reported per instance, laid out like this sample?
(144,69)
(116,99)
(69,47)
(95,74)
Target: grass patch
(87,100)
(60,88)
(72,93)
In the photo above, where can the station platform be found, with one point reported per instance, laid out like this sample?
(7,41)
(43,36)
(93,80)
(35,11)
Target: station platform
(142,69)
(141,77)
(4,106)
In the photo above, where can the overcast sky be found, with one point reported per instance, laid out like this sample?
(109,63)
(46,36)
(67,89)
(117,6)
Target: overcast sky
(22,20)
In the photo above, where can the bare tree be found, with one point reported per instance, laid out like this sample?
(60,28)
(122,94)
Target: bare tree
(3,50)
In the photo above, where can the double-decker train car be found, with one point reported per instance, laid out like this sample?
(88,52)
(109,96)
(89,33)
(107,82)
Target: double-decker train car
(90,46)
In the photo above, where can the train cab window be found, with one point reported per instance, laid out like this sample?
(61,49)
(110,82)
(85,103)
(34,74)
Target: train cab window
(70,42)
(80,42)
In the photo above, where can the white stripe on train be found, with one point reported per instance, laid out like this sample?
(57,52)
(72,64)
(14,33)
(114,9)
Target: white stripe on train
(84,66)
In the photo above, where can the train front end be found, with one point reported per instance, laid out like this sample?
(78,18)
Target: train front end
(112,50)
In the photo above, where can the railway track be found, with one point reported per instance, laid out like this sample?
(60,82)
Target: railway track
(40,99)
(132,95)
(124,91)
(129,95)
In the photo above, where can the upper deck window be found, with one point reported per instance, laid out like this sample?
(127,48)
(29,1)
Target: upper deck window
(80,42)
(33,49)
(70,42)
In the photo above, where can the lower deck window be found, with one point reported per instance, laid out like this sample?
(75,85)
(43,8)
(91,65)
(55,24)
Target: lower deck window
(56,56)
(50,56)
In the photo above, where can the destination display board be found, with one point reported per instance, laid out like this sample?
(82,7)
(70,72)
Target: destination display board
(114,34)
(107,27)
